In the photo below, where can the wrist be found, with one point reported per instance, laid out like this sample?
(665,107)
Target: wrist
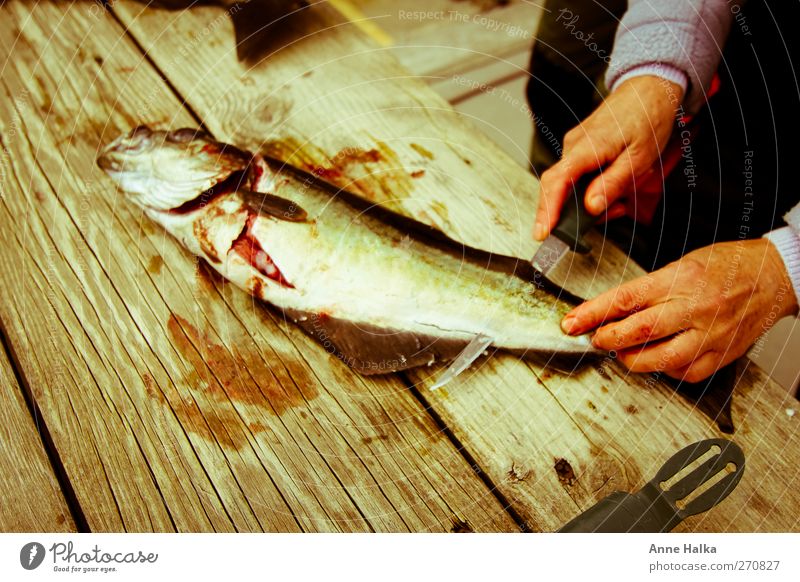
(783,257)
(673,81)
(657,94)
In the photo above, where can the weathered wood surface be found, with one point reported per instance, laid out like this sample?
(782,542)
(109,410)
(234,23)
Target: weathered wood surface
(30,496)
(518,420)
(441,38)
(173,401)
(614,430)
(323,101)
(176,403)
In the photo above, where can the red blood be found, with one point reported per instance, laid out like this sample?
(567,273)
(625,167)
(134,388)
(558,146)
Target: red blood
(250,250)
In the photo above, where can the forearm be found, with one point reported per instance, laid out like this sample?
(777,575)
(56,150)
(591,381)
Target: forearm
(679,40)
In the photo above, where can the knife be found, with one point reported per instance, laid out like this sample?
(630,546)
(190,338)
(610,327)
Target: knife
(672,495)
(568,234)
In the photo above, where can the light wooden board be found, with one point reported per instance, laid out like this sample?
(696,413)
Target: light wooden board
(323,101)
(517,420)
(174,402)
(30,496)
(440,38)
(615,430)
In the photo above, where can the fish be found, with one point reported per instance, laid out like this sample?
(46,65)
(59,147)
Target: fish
(379,296)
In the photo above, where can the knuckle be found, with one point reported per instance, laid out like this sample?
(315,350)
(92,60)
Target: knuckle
(645,330)
(693,268)
(572,137)
(627,300)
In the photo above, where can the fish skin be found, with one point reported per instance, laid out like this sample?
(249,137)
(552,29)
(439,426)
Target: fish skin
(370,294)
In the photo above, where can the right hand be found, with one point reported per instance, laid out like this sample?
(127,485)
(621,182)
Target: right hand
(626,135)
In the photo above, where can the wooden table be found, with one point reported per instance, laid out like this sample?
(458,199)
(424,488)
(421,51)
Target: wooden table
(141,394)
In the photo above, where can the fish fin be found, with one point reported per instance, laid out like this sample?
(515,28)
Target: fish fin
(370,349)
(275,206)
(713,396)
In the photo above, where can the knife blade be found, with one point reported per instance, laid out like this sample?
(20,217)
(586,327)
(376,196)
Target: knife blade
(574,223)
(463,361)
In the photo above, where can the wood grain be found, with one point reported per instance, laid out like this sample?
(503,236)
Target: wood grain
(439,38)
(30,496)
(174,402)
(552,443)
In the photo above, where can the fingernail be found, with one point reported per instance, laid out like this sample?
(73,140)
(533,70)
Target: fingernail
(569,323)
(596,203)
(538,231)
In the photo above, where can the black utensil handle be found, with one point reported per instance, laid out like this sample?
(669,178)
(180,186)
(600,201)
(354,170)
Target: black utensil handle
(656,507)
(575,220)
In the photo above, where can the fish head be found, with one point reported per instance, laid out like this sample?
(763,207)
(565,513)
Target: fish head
(164,170)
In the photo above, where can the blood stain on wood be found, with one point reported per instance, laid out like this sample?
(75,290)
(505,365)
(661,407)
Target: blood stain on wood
(207,277)
(155,264)
(228,376)
(417,173)
(631,409)
(369,439)
(565,473)
(591,405)
(151,389)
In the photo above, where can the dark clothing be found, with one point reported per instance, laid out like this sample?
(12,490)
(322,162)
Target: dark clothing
(737,177)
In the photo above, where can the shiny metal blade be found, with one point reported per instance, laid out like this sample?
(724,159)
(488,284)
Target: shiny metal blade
(549,254)
(468,355)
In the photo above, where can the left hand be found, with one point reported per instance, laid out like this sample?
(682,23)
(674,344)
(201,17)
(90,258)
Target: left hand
(695,315)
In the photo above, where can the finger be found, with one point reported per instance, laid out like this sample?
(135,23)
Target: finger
(616,210)
(648,325)
(699,370)
(670,354)
(556,183)
(615,181)
(616,303)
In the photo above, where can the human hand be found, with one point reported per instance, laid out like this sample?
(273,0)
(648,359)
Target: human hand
(626,135)
(695,315)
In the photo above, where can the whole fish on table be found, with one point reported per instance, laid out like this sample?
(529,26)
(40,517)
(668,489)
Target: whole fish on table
(377,298)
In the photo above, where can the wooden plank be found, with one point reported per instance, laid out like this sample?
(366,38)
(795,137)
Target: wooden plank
(174,402)
(323,101)
(614,430)
(521,422)
(440,38)
(30,496)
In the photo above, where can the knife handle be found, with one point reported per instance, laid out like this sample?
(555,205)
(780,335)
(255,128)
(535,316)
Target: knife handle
(659,505)
(575,220)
